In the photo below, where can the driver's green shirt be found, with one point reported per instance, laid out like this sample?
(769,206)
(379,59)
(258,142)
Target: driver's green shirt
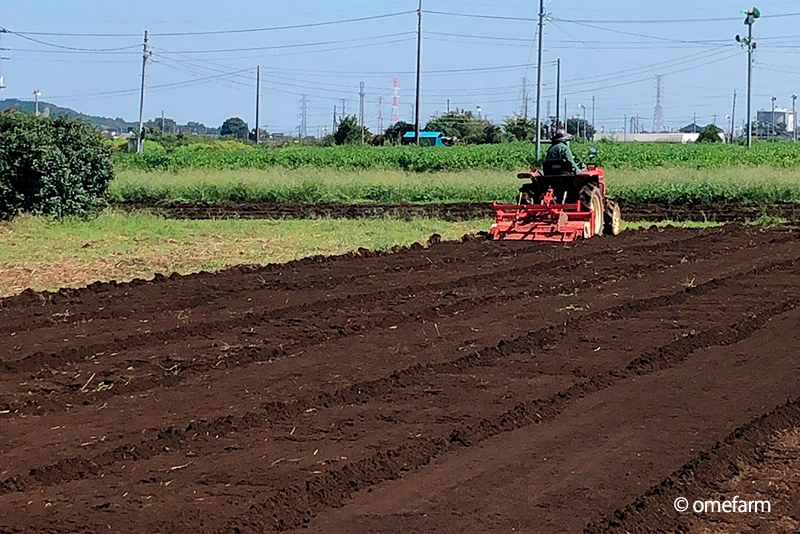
(562,152)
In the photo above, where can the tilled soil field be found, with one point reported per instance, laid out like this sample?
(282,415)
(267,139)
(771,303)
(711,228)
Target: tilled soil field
(457,211)
(460,387)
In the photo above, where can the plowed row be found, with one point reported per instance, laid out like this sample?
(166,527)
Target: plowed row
(457,387)
(460,211)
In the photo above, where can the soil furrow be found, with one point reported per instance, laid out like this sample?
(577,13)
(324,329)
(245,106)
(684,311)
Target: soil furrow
(173,439)
(292,507)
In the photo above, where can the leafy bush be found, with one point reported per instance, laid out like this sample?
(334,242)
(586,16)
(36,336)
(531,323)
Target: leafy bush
(49,166)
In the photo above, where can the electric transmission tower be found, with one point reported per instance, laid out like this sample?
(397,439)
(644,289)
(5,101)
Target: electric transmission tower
(303,130)
(658,115)
(361,95)
(525,97)
(395,102)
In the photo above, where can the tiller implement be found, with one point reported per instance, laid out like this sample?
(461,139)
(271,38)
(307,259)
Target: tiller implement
(558,207)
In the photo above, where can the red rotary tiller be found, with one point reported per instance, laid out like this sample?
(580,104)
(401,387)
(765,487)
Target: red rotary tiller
(558,207)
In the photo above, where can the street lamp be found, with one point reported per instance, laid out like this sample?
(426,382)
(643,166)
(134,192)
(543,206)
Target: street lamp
(36,94)
(480,111)
(730,128)
(585,133)
(774,98)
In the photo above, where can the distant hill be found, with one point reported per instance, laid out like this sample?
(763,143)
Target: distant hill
(104,123)
(118,125)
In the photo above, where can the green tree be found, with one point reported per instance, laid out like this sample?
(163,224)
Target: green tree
(709,134)
(57,166)
(464,127)
(518,128)
(348,132)
(580,128)
(394,133)
(234,127)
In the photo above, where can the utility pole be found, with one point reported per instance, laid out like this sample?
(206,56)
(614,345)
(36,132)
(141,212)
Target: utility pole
(361,95)
(733,118)
(145,56)
(36,94)
(715,119)
(344,108)
(585,130)
(751,45)
(380,115)
(593,104)
(2,85)
(162,121)
(694,123)
(794,114)
(539,82)
(448,105)
(558,96)
(419,73)
(258,104)
(333,129)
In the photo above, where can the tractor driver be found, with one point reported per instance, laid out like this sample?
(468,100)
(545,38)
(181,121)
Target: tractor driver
(560,151)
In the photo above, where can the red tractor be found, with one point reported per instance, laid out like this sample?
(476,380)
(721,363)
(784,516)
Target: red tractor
(558,205)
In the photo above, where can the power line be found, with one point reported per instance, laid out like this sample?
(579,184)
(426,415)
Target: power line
(675,21)
(298,45)
(227,32)
(70,48)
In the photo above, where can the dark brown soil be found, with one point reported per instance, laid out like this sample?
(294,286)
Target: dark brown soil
(455,211)
(458,387)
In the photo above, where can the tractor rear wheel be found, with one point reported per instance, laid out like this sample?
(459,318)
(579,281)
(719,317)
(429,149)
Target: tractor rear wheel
(612,218)
(591,199)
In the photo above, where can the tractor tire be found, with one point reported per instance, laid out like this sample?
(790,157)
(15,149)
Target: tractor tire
(591,199)
(612,219)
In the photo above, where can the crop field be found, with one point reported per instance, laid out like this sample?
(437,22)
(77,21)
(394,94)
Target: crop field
(665,186)
(466,386)
(508,157)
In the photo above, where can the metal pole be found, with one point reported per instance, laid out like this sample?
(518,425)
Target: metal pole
(258,104)
(772,118)
(539,82)
(36,94)
(733,118)
(419,73)
(625,130)
(448,105)
(794,114)
(750,82)
(558,96)
(593,102)
(585,124)
(145,57)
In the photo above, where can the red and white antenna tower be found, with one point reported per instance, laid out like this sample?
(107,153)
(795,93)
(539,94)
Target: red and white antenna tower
(396,101)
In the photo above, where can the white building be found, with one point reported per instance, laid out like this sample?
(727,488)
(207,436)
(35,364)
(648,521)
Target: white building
(782,119)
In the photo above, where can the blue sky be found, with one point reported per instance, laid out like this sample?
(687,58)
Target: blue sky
(474,61)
